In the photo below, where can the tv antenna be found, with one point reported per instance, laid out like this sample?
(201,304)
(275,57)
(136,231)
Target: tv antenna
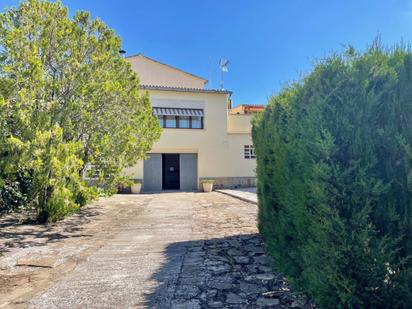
(223,63)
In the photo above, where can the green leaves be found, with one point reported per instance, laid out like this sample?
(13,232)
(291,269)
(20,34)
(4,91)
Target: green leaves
(409,181)
(334,179)
(67,100)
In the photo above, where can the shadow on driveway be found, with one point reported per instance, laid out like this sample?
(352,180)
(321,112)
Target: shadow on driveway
(16,234)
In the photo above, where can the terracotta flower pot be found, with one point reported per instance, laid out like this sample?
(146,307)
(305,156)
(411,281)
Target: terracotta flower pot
(136,188)
(207,186)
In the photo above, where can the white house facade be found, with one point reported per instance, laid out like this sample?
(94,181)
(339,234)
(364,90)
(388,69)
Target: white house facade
(201,138)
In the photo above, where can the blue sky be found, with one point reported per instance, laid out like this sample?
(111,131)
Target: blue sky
(268,42)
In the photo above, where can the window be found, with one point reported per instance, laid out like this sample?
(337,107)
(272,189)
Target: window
(197,122)
(249,152)
(184,122)
(181,122)
(161,122)
(170,122)
(179,118)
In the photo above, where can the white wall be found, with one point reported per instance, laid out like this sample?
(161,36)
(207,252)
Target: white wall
(151,72)
(220,153)
(241,123)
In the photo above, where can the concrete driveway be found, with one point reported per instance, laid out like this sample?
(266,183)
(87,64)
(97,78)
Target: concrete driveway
(170,250)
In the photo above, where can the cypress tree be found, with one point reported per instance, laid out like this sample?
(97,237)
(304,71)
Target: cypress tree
(334,167)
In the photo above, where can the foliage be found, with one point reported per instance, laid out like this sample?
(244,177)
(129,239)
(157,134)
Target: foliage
(68,102)
(15,193)
(212,181)
(334,164)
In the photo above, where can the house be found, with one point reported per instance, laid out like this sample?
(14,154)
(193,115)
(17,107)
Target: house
(201,138)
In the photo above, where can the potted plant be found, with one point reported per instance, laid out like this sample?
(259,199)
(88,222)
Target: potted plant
(208,185)
(136,186)
(123,184)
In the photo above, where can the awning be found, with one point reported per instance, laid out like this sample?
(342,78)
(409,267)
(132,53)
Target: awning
(166,111)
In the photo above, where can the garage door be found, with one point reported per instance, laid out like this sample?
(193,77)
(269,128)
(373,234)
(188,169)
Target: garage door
(188,172)
(152,173)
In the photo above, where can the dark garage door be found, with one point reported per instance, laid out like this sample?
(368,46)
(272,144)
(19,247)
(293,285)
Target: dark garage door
(171,171)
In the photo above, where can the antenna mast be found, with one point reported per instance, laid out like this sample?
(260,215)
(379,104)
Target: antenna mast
(223,63)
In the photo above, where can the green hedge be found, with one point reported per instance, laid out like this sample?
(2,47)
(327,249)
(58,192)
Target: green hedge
(334,168)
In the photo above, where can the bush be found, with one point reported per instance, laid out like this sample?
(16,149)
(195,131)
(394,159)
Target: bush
(334,166)
(212,181)
(15,191)
(64,90)
(59,205)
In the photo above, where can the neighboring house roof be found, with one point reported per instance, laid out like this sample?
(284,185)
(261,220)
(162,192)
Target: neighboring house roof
(247,109)
(182,89)
(169,66)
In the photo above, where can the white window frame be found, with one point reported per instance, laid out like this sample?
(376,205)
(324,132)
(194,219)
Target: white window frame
(249,152)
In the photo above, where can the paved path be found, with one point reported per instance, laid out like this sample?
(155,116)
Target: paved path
(245,194)
(120,273)
(173,250)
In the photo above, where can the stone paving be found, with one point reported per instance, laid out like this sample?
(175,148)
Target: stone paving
(231,273)
(174,250)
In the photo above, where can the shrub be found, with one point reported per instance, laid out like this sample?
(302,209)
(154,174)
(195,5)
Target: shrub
(15,191)
(212,181)
(334,164)
(60,204)
(64,90)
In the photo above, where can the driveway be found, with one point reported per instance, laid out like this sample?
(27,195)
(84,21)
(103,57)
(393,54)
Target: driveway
(170,250)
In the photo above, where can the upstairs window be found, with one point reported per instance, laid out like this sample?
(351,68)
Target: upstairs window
(179,118)
(184,122)
(249,152)
(161,122)
(197,122)
(170,122)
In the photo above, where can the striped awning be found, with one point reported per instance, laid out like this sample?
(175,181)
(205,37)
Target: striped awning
(167,111)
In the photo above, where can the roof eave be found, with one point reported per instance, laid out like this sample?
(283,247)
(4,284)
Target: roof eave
(183,89)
